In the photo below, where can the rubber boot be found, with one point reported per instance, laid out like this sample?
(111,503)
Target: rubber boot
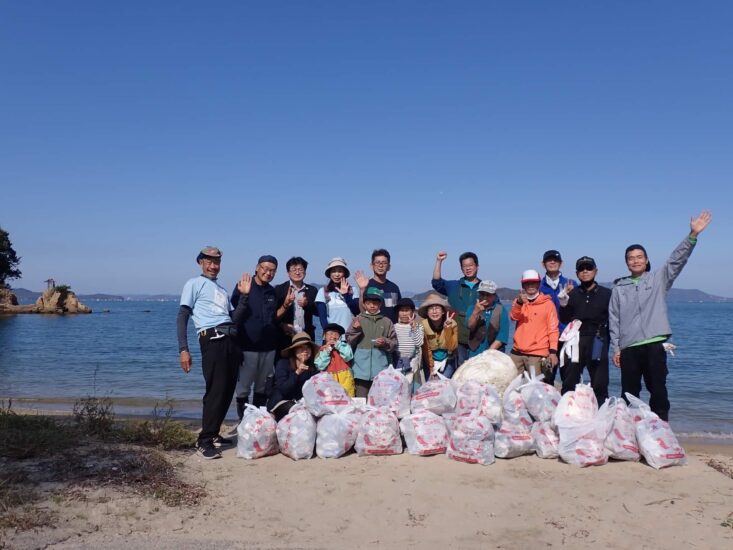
(241,402)
(259,400)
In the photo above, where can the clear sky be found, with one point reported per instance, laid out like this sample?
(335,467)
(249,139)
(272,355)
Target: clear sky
(134,133)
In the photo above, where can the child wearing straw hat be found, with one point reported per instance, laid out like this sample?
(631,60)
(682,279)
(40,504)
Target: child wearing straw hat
(441,336)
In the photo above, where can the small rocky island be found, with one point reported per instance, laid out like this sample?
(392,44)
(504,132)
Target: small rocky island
(56,300)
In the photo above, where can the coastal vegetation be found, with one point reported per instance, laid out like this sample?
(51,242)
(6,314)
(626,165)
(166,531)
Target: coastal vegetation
(48,459)
(9,260)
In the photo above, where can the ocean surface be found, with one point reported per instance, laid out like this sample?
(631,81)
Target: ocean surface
(128,351)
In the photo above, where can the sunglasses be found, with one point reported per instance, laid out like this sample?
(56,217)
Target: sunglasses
(586,268)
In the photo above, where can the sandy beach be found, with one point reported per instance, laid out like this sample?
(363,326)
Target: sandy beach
(407,501)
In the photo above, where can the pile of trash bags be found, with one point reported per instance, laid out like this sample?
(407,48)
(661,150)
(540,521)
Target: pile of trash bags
(470,421)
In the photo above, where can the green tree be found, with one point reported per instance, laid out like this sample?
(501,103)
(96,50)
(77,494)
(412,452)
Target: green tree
(8,259)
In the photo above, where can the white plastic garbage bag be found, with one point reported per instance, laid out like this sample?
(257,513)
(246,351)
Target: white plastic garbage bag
(514,408)
(436,395)
(378,434)
(491,367)
(296,433)
(425,433)
(336,433)
(576,407)
(473,395)
(513,439)
(541,399)
(471,439)
(621,442)
(657,442)
(546,440)
(571,337)
(390,389)
(256,435)
(323,395)
(582,442)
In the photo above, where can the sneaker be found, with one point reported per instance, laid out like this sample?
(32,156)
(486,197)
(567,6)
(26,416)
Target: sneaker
(206,450)
(222,442)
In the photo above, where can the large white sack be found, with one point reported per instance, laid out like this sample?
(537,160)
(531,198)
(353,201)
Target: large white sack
(390,389)
(546,440)
(336,433)
(256,435)
(296,433)
(436,395)
(621,442)
(513,439)
(471,440)
(582,442)
(379,433)
(576,407)
(513,405)
(323,395)
(473,395)
(657,442)
(541,399)
(490,367)
(425,433)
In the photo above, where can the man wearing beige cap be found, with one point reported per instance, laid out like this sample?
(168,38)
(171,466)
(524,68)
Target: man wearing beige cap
(204,299)
(487,321)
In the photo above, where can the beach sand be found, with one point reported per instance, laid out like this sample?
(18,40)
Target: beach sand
(406,501)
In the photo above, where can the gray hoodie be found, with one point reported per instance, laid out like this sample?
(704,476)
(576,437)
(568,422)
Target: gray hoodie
(639,311)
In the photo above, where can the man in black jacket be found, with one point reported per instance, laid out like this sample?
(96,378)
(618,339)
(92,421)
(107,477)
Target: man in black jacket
(587,303)
(296,303)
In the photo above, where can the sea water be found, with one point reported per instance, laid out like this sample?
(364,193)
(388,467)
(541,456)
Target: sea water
(128,351)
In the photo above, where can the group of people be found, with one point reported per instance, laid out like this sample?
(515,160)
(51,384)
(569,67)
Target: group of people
(259,343)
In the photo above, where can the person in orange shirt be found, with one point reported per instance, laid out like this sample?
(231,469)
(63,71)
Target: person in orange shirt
(536,334)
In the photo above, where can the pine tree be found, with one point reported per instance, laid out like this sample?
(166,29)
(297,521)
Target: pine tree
(8,259)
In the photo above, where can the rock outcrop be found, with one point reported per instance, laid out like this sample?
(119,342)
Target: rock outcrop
(57,300)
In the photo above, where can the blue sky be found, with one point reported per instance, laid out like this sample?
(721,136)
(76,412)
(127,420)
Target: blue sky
(134,133)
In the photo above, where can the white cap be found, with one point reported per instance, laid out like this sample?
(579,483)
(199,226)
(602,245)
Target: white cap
(530,275)
(487,286)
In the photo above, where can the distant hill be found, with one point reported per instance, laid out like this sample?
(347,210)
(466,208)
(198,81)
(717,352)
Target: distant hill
(26,296)
(676,295)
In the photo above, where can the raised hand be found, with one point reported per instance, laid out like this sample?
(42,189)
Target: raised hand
(413,324)
(245,283)
(449,318)
(361,279)
(356,323)
(442,255)
(569,286)
(698,224)
(522,297)
(289,299)
(479,307)
(302,302)
(344,286)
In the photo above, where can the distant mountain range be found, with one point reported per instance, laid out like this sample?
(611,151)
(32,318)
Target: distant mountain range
(676,295)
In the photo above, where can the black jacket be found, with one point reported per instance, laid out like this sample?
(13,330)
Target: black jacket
(590,307)
(286,384)
(281,291)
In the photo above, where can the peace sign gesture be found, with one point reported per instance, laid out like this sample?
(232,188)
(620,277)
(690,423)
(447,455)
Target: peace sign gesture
(289,299)
(449,322)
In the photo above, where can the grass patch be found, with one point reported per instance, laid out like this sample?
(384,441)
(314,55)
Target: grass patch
(159,431)
(95,416)
(17,510)
(25,436)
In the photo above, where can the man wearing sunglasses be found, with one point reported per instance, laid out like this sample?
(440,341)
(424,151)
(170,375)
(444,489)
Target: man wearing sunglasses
(587,303)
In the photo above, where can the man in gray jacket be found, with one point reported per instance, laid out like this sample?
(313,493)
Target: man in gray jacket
(638,321)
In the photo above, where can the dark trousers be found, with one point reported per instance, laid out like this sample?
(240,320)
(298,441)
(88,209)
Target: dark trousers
(362,387)
(650,363)
(598,370)
(220,360)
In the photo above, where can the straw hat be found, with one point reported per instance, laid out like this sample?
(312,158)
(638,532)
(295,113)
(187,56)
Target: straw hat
(300,339)
(433,299)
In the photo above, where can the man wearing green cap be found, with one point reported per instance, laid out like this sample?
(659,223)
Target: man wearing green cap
(204,299)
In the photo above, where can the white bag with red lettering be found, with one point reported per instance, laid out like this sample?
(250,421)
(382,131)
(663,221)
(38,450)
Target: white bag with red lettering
(336,433)
(473,395)
(425,433)
(621,442)
(390,389)
(582,442)
(472,439)
(296,433)
(513,439)
(378,433)
(541,399)
(546,440)
(657,442)
(436,395)
(576,407)
(323,395)
(256,435)
(514,409)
